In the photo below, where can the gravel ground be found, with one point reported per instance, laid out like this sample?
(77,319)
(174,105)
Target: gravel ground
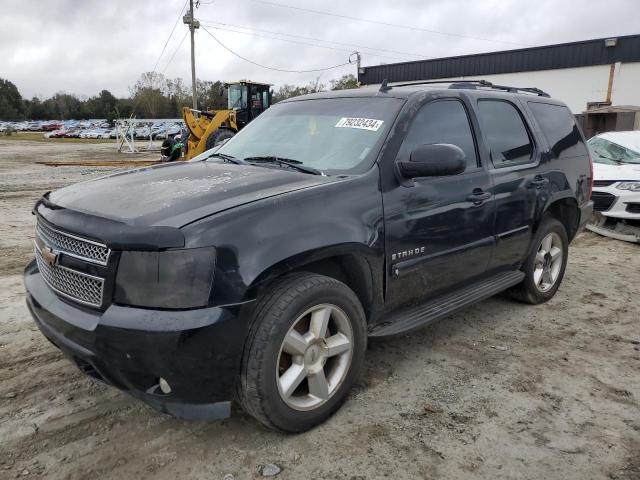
(500,391)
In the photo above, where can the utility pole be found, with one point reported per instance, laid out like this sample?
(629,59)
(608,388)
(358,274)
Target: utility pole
(359,69)
(193,24)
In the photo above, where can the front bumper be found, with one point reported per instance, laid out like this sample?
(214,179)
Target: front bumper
(620,206)
(198,352)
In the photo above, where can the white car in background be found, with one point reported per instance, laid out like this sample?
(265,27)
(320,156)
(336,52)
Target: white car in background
(616,186)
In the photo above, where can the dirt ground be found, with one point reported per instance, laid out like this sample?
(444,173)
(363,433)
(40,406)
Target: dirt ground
(500,391)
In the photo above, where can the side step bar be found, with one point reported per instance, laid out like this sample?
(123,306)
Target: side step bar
(418,316)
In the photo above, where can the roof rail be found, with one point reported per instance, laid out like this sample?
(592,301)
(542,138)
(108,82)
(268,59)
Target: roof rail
(472,85)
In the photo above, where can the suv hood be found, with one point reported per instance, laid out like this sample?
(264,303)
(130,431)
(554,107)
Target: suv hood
(176,194)
(603,171)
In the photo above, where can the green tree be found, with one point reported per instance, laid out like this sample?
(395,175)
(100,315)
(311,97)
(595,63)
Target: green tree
(34,109)
(11,107)
(289,91)
(211,95)
(124,108)
(148,95)
(65,106)
(178,96)
(345,82)
(152,96)
(102,106)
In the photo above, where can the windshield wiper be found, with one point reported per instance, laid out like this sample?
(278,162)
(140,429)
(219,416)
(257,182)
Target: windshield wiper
(228,158)
(297,164)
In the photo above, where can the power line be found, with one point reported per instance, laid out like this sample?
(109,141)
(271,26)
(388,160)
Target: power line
(170,35)
(350,45)
(175,51)
(298,42)
(267,67)
(388,24)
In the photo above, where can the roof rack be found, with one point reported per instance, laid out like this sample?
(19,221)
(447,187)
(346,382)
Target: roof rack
(469,85)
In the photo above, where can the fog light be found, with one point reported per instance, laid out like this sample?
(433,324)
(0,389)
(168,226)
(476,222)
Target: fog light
(164,386)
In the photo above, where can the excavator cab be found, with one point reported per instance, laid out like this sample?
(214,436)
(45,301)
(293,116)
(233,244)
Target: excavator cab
(207,129)
(248,99)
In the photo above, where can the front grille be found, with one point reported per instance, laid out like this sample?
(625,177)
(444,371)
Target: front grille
(602,201)
(603,183)
(71,245)
(633,207)
(77,286)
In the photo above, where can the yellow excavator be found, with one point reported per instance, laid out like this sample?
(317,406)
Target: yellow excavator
(246,100)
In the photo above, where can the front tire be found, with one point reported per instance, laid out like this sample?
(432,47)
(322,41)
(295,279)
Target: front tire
(303,353)
(545,265)
(218,137)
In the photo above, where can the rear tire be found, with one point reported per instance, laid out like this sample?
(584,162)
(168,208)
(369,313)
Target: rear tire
(545,265)
(303,353)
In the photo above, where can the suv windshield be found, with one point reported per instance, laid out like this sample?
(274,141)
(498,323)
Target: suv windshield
(334,136)
(604,151)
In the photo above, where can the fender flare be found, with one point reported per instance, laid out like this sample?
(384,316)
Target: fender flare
(560,198)
(363,269)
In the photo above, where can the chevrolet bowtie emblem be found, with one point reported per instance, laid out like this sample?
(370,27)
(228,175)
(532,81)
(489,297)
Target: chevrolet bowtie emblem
(49,256)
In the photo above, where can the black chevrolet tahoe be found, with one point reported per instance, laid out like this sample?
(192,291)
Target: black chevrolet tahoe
(257,271)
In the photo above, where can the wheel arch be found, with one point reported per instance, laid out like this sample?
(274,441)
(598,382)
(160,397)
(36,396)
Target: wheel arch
(567,212)
(352,266)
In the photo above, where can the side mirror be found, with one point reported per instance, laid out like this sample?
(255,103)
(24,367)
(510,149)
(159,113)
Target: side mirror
(435,160)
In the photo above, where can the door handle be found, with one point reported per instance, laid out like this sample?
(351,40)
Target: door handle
(478,196)
(539,181)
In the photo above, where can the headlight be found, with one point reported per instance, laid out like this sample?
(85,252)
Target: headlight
(169,279)
(633,186)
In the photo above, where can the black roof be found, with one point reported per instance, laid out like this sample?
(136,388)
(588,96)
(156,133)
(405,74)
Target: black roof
(548,57)
(409,90)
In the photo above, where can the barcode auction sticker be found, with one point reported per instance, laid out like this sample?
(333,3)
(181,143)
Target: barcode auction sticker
(362,123)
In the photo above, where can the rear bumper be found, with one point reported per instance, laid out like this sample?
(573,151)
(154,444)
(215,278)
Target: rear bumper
(198,352)
(586,211)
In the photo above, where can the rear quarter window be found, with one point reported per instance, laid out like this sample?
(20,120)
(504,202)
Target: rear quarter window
(505,132)
(560,129)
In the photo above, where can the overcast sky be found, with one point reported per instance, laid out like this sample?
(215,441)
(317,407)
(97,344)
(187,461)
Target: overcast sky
(85,46)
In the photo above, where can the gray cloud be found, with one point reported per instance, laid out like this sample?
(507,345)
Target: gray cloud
(84,46)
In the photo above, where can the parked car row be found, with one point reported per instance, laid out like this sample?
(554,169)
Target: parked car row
(82,133)
(158,131)
(94,129)
(53,125)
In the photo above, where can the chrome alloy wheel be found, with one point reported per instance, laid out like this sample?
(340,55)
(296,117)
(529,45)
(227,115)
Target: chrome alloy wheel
(314,357)
(548,262)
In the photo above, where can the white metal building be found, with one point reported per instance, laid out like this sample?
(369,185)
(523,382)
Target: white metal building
(588,74)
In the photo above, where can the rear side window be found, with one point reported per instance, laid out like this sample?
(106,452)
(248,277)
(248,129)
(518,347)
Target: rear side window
(559,126)
(442,121)
(505,132)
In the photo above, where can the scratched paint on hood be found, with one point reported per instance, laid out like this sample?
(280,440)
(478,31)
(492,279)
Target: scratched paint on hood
(169,193)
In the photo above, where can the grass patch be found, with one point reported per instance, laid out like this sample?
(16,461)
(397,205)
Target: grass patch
(39,137)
